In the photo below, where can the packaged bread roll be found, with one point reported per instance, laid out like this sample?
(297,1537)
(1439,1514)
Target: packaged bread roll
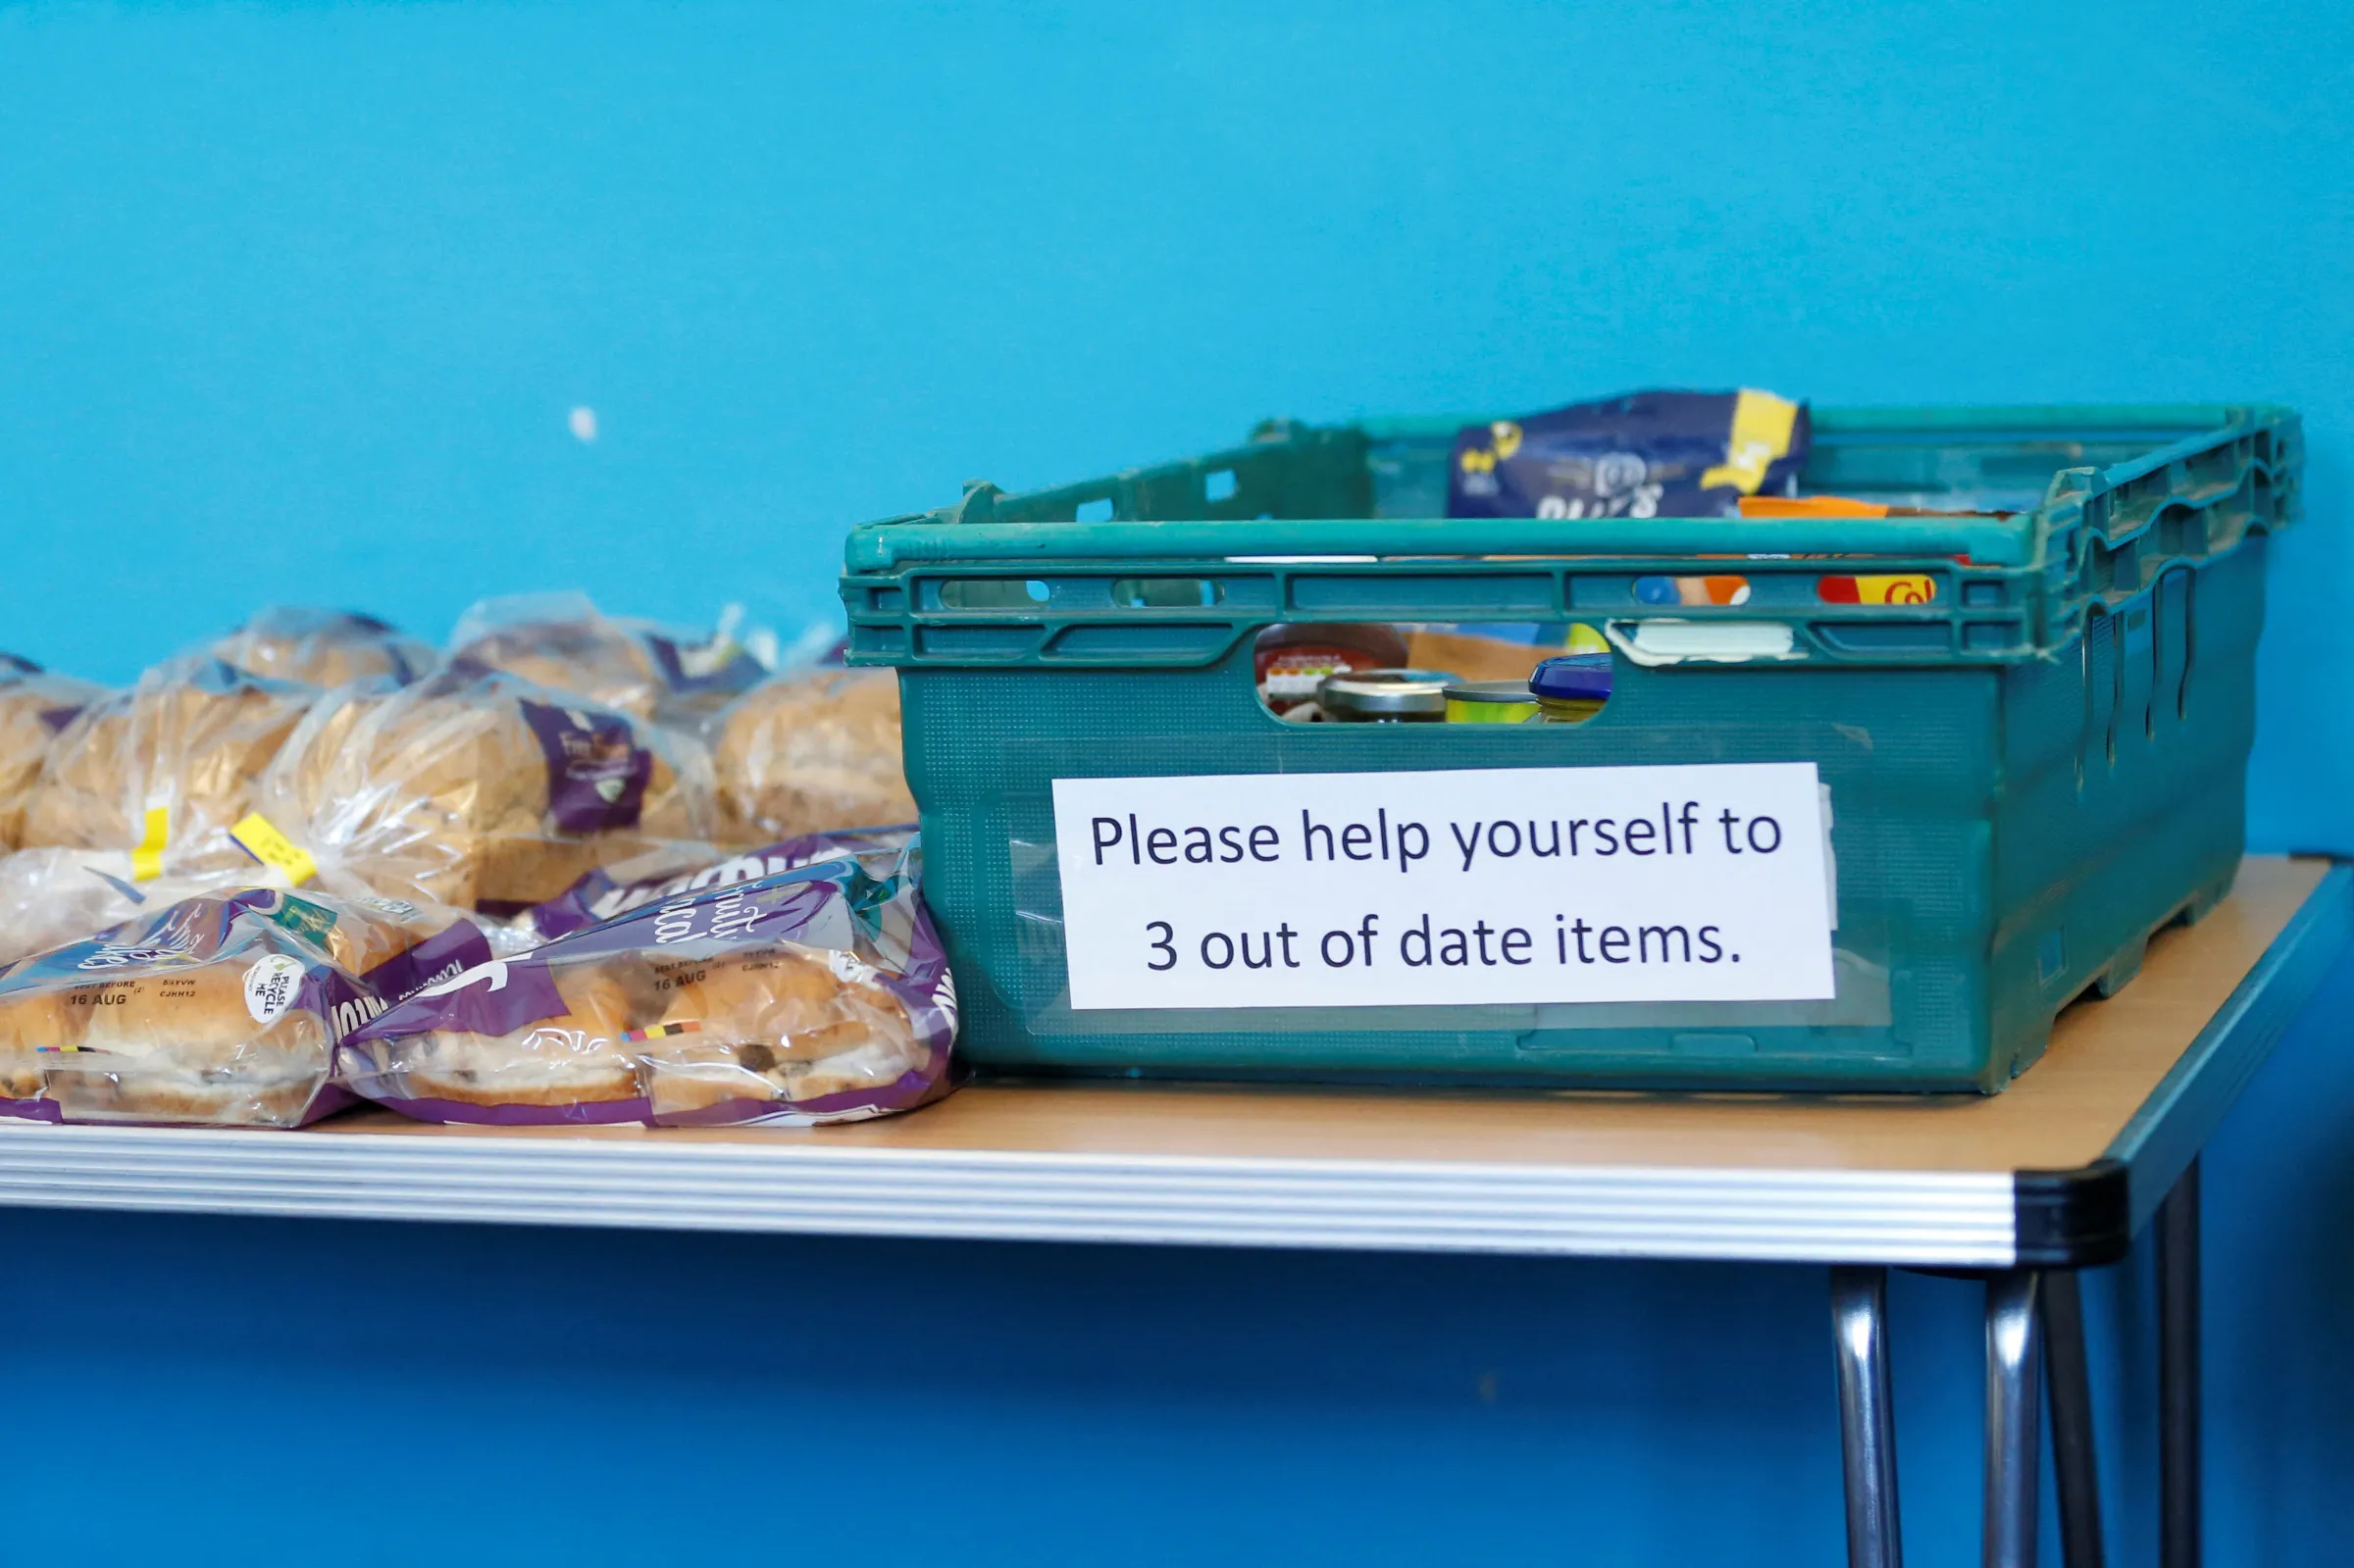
(479,789)
(813,750)
(324,647)
(812,995)
(164,770)
(218,1010)
(574,1064)
(34,708)
(563,642)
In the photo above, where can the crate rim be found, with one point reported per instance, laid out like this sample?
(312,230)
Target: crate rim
(962,532)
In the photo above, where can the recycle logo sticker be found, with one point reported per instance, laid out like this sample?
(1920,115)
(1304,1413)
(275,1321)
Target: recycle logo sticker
(270,985)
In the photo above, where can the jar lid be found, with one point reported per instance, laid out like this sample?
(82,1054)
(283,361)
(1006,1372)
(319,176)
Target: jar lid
(1385,694)
(1382,642)
(1491,692)
(1575,677)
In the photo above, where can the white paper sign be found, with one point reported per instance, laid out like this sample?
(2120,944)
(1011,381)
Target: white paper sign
(1705,883)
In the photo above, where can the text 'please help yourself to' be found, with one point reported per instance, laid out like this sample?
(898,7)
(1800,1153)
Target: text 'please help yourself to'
(1708,883)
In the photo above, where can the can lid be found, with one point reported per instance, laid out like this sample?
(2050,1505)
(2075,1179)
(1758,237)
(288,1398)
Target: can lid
(1574,677)
(1491,692)
(1385,694)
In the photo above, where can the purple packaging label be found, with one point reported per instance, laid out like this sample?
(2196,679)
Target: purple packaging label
(430,962)
(191,932)
(597,898)
(597,772)
(586,1113)
(498,997)
(35,1110)
(737,672)
(55,720)
(336,996)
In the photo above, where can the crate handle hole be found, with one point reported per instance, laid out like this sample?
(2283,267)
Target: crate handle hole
(1291,661)
(1098,510)
(1219,485)
(993,593)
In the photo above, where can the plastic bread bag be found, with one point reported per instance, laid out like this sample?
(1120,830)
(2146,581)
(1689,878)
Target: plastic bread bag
(219,1010)
(813,750)
(671,870)
(50,897)
(34,707)
(814,996)
(478,790)
(164,770)
(1646,454)
(563,642)
(324,647)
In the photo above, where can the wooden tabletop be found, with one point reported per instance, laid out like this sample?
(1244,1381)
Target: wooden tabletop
(2105,1058)
(2056,1170)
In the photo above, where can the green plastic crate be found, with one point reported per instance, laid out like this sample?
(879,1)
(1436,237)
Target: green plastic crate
(2031,774)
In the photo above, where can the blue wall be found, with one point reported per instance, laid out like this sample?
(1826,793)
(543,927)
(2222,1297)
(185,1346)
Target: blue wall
(294,303)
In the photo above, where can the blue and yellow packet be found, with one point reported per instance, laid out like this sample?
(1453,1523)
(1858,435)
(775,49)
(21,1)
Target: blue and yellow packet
(1647,454)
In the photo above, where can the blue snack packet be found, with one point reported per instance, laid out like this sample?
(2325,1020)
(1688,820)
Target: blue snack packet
(1647,454)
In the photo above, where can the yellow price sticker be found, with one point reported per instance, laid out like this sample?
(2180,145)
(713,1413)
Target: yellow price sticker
(147,860)
(259,837)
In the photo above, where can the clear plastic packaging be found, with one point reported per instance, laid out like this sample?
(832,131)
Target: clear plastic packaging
(324,647)
(813,750)
(50,896)
(34,706)
(674,869)
(218,1010)
(563,642)
(814,996)
(164,770)
(479,789)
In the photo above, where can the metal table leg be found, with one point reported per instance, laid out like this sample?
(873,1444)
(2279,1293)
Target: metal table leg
(1867,1416)
(2070,1397)
(2014,1397)
(2178,1533)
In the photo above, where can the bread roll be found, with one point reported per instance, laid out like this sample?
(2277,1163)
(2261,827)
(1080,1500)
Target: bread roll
(780,1023)
(559,641)
(579,1058)
(184,1044)
(29,1025)
(323,647)
(809,752)
(191,739)
(562,642)
(34,707)
(480,790)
